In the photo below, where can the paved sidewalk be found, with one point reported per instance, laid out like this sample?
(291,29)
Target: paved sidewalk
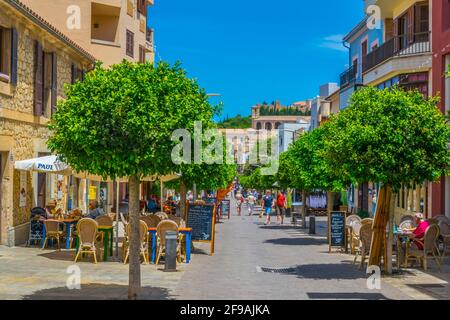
(303,269)
(244,245)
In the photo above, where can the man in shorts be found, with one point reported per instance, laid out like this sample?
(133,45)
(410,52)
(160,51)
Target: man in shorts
(268,204)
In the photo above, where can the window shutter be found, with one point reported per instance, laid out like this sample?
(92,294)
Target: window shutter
(74,73)
(410,23)
(54,89)
(14,54)
(38,79)
(83,74)
(396,36)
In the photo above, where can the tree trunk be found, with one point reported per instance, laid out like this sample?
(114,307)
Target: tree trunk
(183,200)
(379,226)
(304,195)
(194,192)
(390,239)
(134,284)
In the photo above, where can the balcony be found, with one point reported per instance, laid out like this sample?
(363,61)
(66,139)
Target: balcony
(350,76)
(149,39)
(105,24)
(398,46)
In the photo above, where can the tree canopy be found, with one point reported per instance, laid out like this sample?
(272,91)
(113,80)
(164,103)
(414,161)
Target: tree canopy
(391,136)
(118,121)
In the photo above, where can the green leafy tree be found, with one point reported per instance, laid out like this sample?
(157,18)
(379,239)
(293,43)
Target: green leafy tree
(118,122)
(390,136)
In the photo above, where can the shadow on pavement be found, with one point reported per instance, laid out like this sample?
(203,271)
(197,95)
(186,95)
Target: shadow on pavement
(346,296)
(333,271)
(297,241)
(97,292)
(59,255)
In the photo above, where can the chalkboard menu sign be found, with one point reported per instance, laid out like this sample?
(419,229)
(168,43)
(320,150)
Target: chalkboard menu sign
(226,204)
(201,218)
(336,227)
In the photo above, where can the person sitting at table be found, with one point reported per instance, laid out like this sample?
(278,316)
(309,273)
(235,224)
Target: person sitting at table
(94,210)
(416,235)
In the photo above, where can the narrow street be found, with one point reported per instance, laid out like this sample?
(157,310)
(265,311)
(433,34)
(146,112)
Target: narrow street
(244,246)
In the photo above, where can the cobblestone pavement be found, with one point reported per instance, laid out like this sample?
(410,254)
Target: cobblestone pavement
(244,248)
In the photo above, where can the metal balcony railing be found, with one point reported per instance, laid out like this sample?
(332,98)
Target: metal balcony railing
(350,76)
(402,45)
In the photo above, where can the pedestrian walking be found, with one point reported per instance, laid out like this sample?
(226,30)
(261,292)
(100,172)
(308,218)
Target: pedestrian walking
(251,200)
(239,201)
(281,206)
(268,205)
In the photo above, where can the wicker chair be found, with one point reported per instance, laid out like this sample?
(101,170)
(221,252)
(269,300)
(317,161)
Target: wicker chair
(163,227)
(365,236)
(104,221)
(407,217)
(349,224)
(143,240)
(53,231)
(180,222)
(87,234)
(152,221)
(406,225)
(354,240)
(367,221)
(445,234)
(442,218)
(162,215)
(430,248)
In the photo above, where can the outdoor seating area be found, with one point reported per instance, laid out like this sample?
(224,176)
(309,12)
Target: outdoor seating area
(95,237)
(408,249)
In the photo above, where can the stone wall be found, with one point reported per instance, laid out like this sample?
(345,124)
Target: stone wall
(27,133)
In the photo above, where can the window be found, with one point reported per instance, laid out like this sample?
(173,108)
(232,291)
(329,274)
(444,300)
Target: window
(130,43)
(5,53)
(8,55)
(142,7)
(445,14)
(45,82)
(77,74)
(141,54)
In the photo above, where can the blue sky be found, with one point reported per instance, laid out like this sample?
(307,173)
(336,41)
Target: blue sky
(252,51)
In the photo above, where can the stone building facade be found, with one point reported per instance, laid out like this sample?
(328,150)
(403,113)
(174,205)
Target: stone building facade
(37,61)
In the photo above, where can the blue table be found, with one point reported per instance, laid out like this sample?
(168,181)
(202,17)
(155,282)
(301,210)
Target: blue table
(186,231)
(68,223)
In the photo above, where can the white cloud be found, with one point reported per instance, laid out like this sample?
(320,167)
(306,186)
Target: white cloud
(333,42)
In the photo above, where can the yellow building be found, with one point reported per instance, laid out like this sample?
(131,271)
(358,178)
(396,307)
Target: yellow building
(37,61)
(112,30)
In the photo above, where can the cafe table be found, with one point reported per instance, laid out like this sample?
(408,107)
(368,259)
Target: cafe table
(400,235)
(186,231)
(107,240)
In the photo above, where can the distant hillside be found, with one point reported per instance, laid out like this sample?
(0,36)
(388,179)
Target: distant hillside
(238,122)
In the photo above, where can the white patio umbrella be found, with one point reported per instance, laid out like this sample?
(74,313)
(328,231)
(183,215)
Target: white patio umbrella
(48,164)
